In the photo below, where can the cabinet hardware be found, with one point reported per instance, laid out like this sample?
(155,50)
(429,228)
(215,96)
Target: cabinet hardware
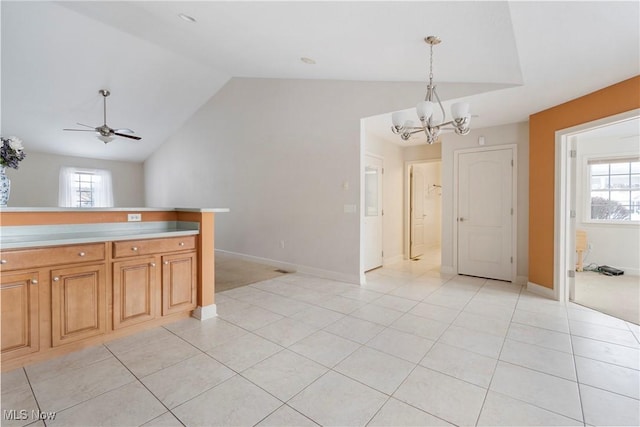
(34,282)
(81,254)
(166,263)
(135,248)
(3,261)
(56,279)
(181,243)
(152,264)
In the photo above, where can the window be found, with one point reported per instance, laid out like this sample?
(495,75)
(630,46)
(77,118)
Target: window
(85,188)
(614,186)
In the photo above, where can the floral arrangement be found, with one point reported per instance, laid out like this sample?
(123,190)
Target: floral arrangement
(11,152)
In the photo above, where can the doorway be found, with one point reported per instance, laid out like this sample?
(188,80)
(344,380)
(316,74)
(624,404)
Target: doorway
(424,212)
(485,210)
(598,215)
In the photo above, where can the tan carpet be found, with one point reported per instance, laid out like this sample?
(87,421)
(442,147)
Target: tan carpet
(232,272)
(618,296)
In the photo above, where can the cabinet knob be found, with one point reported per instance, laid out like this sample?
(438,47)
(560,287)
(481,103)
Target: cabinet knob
(181,243)
(166,263)
(56,279)
(152,264)
(81,254)
(3,261)
(134,248)
(34,282)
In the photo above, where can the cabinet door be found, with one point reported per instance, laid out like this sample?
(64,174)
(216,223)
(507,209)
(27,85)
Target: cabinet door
(178,283)
(78,303)
(134,291)
(19,313)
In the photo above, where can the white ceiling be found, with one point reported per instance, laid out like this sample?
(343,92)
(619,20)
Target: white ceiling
(508,59)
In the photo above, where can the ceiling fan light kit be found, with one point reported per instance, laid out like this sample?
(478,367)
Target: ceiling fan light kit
(405,127)
(105,133)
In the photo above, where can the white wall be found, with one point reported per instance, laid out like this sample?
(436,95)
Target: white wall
(611,244)
(35,183)
(517,133)
(392,196)
(277,152)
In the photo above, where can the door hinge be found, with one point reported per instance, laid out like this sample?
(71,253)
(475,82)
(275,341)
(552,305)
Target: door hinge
(382,171)
(511,162)
(571,273)
(511,211)
(573,154)
(382,212)
(511,260)
(382,254)
(572,213)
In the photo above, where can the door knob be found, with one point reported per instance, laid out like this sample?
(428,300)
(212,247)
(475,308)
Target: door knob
(34,282)
(461,219)
(56,279)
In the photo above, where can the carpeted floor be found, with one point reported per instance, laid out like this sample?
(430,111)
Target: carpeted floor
(232,272)
(617,296)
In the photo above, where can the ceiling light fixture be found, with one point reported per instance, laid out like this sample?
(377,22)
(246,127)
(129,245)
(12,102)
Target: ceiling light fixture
(187,18)
(405,127)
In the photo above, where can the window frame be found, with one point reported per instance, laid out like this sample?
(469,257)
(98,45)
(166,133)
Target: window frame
(588,162)
(70,188)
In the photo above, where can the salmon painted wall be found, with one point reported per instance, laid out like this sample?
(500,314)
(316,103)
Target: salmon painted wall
(621,97)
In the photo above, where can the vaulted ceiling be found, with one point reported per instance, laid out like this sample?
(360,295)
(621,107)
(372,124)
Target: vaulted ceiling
(508,59)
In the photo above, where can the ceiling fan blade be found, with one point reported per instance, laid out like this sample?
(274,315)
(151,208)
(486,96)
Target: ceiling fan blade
(81,130)
(124,135)
(87,126)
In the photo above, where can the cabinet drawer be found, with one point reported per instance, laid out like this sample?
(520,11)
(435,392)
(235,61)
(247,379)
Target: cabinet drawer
(152,246)
(58,255)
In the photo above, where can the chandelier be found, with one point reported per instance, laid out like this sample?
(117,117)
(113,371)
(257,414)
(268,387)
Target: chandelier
(431,126)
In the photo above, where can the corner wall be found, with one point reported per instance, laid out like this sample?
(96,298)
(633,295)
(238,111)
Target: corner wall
(616,99)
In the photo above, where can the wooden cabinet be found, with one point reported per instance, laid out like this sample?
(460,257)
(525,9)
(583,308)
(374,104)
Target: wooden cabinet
(179,291)
(78,303)
(134,291)
(19,313)
(177,281)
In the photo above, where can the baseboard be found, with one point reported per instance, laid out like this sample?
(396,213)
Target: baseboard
(296,268)
(541,290)
(266,261)
(522,280)
(206,312)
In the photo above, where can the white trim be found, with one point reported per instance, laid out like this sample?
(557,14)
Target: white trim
(514,201)
(561,209)
(541,290)
(206,312)
(522,280)
(447,269)
(297,268)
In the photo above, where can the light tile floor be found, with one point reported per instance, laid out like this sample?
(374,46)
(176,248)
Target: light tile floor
(412,347)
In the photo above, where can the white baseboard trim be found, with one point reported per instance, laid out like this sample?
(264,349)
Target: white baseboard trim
(295,268)
(206,312)
(522,280)
(266,261)
(447,269)
(541,290)
(392,260)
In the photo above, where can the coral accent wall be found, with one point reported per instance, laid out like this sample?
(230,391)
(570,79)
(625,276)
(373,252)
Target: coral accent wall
(616,99)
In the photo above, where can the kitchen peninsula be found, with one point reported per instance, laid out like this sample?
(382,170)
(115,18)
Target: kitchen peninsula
(70,278)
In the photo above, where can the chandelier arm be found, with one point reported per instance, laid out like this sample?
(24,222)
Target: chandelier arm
(444,115)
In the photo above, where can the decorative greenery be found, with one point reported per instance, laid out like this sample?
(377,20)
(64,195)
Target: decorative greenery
(11,152)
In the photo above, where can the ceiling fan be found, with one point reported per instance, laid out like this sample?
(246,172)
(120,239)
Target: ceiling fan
(105,133)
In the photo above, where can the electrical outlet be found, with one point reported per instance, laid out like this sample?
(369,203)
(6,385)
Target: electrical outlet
(282,244)
(134,217)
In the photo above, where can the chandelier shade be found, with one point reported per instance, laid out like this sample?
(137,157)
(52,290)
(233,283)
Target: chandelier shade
(431,107)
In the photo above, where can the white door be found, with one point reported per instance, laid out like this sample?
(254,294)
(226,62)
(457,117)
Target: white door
(485,213)
(417,213)
(372,213)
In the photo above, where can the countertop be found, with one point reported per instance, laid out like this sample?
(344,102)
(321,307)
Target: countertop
(132,209)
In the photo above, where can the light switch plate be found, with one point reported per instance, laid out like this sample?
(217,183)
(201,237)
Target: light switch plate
(134,217)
